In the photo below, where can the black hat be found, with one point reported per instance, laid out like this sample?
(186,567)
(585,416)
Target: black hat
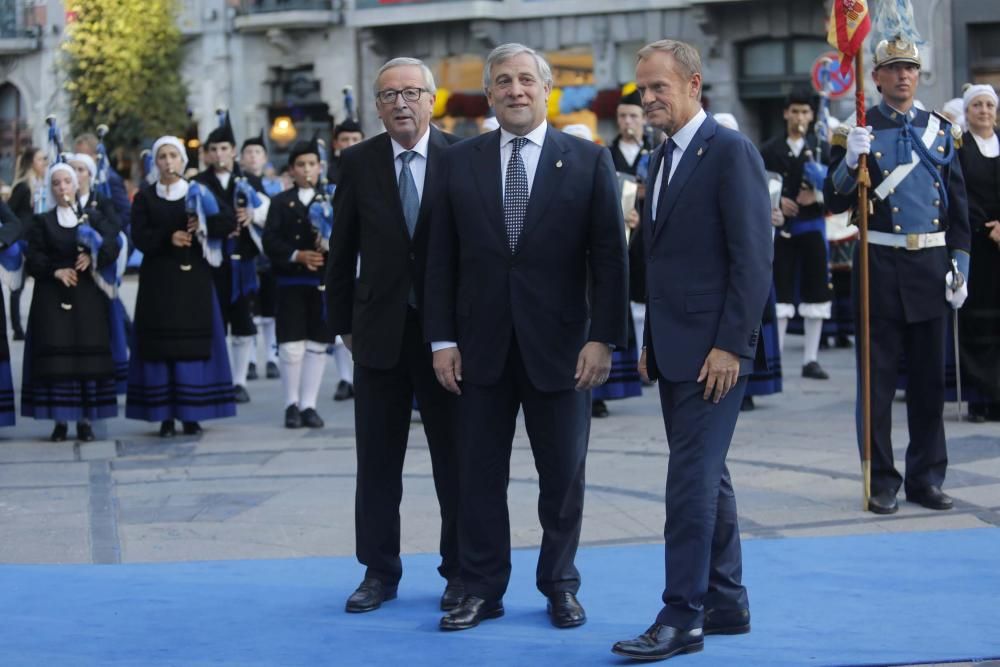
(633,98)
(800,95)
(255,141)
(349,125)
(303,148)
(223,133)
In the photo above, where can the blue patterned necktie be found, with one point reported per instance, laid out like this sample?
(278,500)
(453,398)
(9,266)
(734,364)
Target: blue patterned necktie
(668,160)
(515,194)
(408,192)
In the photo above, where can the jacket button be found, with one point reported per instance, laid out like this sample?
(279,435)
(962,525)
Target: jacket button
(936,222)
(895,209)
(897,228)
(296,237)
(937,202)
(878,155)
(885,172)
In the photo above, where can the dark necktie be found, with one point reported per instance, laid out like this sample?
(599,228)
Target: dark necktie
(515,194)
(408,196)
(668,159)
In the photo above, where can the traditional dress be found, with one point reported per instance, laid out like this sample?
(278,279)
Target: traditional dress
(68,372)
(180,369)
(11,275)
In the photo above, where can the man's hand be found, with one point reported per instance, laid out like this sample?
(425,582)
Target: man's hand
(593,366)
(82,262)
(789,208)
(777,217)
(994,227)
(181,239)
(348,341)
(644,367)
(243,216)
(67,277)
(720,373)
(448,369)
(632,219)
(310,259)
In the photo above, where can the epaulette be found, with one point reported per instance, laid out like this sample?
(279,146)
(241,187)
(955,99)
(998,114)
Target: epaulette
(956,135)
(948,124)
(840,136)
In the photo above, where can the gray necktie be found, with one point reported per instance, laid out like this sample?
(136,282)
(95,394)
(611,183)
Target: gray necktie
(515,194)
(408,196)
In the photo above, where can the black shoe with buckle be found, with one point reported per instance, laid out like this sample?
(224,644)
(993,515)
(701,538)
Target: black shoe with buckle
(814,371)
(369,596)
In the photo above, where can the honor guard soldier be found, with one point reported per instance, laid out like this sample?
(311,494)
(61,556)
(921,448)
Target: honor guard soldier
(918,258)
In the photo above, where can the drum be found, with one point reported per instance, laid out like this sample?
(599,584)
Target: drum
(842,237)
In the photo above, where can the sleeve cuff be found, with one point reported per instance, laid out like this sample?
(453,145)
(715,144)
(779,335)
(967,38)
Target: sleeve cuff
(294,255)
(843,180)
(962,259)
(437,346)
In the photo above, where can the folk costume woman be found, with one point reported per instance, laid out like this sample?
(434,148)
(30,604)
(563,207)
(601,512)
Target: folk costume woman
(28,197)
(11,275)
(180,366)
(68,369)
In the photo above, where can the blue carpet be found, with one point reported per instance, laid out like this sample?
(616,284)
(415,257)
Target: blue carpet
(860,600)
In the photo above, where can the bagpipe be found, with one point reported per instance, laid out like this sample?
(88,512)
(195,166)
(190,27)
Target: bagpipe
(321,207)
(102,181)
(199,204)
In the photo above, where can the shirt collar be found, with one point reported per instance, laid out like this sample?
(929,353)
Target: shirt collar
(420,148)
(536,136)
(683,136)
(893,113)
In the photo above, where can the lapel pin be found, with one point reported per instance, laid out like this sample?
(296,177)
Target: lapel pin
(701,151)
(559,164)
(291,204)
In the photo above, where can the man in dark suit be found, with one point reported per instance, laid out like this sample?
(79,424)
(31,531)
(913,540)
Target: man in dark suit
(387,186)
(527,213)
(707,223)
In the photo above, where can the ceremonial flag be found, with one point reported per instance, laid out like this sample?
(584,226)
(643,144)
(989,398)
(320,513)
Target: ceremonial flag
(850,23)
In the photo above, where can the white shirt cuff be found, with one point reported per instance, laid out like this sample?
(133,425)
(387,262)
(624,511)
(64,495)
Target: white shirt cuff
(442,345)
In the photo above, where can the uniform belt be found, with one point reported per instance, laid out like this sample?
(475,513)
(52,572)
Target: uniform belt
(908,241)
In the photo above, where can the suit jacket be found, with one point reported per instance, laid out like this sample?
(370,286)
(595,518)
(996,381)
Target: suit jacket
(481,295)
(708,255)
(368,220)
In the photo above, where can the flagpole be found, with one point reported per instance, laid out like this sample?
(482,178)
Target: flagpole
(864,339)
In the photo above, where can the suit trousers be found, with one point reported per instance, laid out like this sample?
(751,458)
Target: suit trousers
(704,562)
(922,344)
(558,426)
(383,401)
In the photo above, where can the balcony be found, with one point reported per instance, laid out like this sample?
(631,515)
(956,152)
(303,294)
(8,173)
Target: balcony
(19,30)
(266,15)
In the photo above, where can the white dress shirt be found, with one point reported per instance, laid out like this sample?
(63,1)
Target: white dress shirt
(629,151)
(682,139)
(796,145)
(418,165)
(530,153)
(223,178)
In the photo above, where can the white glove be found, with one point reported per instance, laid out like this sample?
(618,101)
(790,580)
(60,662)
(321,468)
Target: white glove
(956,297)
(859,142)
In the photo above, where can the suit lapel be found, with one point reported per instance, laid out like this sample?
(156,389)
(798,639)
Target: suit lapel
(690,160)
(647,205)
(486,172)
(548,177)
(385,174)
(435,145)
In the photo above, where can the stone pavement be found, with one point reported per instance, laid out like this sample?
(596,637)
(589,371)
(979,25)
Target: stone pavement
(248,488)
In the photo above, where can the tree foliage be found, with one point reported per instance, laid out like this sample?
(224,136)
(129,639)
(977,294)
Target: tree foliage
(122,59)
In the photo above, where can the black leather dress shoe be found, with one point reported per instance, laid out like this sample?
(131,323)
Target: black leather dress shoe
(293,418)
(661,642)
(453,594)
(565,610)
(369,596)
(167,428)
(191,428)
(252,371)
(84,432)
(727,621)
(59,432)
(272,371)
(470,612)
(345,391)
(311,419)
(883,503)
(814,371)
(931,497)
(240,394)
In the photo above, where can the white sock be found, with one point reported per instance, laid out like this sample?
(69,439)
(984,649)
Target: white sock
(242,351)
(345,365)
(290,356)
(312,374)
(267,330)
(813,331)
(782,328)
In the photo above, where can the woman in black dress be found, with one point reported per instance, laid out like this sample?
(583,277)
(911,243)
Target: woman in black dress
(979,318)
(28,196)
(68,370)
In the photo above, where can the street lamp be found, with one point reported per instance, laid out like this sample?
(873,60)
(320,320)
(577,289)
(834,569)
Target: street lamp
(283,130)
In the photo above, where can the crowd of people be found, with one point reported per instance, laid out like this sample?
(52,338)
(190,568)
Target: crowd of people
(508,272)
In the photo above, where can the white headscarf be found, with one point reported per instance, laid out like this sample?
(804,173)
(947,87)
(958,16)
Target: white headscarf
(727,120)
(956,109)
(87,161)
(979,90)
(168,140)
(60,166)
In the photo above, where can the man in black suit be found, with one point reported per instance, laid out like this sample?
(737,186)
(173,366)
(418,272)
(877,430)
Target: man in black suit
(527,214)
(387,186)
(707,233)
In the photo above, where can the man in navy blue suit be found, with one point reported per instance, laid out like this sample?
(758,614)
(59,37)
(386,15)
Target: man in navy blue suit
(708,265)
(527,216)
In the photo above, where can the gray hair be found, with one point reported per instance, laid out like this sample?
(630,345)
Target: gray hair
(406,62)
(505,52)
(684,54)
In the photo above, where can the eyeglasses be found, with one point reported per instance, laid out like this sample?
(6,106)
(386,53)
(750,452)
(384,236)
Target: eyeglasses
(389,95)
